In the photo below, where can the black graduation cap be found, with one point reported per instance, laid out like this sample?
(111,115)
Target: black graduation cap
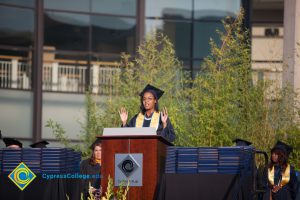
(40,144)
(282,146)
(157,91)
(97,141)
(241,142)
(12,141)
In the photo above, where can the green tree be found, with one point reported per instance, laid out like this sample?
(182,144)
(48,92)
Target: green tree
(226,104)
(220,95)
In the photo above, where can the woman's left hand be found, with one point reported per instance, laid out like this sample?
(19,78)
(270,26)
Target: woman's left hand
(164,117)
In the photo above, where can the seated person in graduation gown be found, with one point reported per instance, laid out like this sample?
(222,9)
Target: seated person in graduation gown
(40,144)
(282,180)
(12,143)
(92,166)
(241,142)
(149,115)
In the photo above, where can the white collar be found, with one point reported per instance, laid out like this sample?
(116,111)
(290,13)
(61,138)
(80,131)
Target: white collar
(148,118)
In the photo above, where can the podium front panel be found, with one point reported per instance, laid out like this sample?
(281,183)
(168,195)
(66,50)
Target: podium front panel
(153,151)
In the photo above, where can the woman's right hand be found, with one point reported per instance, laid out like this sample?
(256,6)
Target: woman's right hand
(276,188)
(123,115)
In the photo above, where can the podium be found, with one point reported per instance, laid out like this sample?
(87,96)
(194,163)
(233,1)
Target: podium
(139,156)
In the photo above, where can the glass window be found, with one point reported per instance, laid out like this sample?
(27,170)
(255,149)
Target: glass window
(203,31)
(119,7)
(23,55)
(71,111)
(16,113)
(29,3)
(67,57)
(178,33)
(66,31)
(186,64)
(103,70)
(71,5)
(216,9)
(15,69)
(16,26)
(113,34)
(197,67)
(64,72)
(169,8)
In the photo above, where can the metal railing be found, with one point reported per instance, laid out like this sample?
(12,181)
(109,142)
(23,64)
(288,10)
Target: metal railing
(60,77)
(14,74)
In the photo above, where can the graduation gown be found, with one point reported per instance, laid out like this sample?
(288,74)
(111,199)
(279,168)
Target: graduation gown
(167,132)
(288,191)
(87,168)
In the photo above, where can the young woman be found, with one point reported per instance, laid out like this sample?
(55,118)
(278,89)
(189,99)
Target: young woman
(149,115)
(282,180)
(92,166)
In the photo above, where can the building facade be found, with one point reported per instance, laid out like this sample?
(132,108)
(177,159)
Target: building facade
(51,51)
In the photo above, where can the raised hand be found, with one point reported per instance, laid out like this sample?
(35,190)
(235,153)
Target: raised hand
(123,115)
(276,188)
(164,116)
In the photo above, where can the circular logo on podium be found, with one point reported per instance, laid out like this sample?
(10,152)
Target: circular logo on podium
(128,166)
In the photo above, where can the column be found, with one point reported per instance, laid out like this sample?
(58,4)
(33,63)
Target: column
(54,76)
(95,79)
(14,73)
(291,44)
